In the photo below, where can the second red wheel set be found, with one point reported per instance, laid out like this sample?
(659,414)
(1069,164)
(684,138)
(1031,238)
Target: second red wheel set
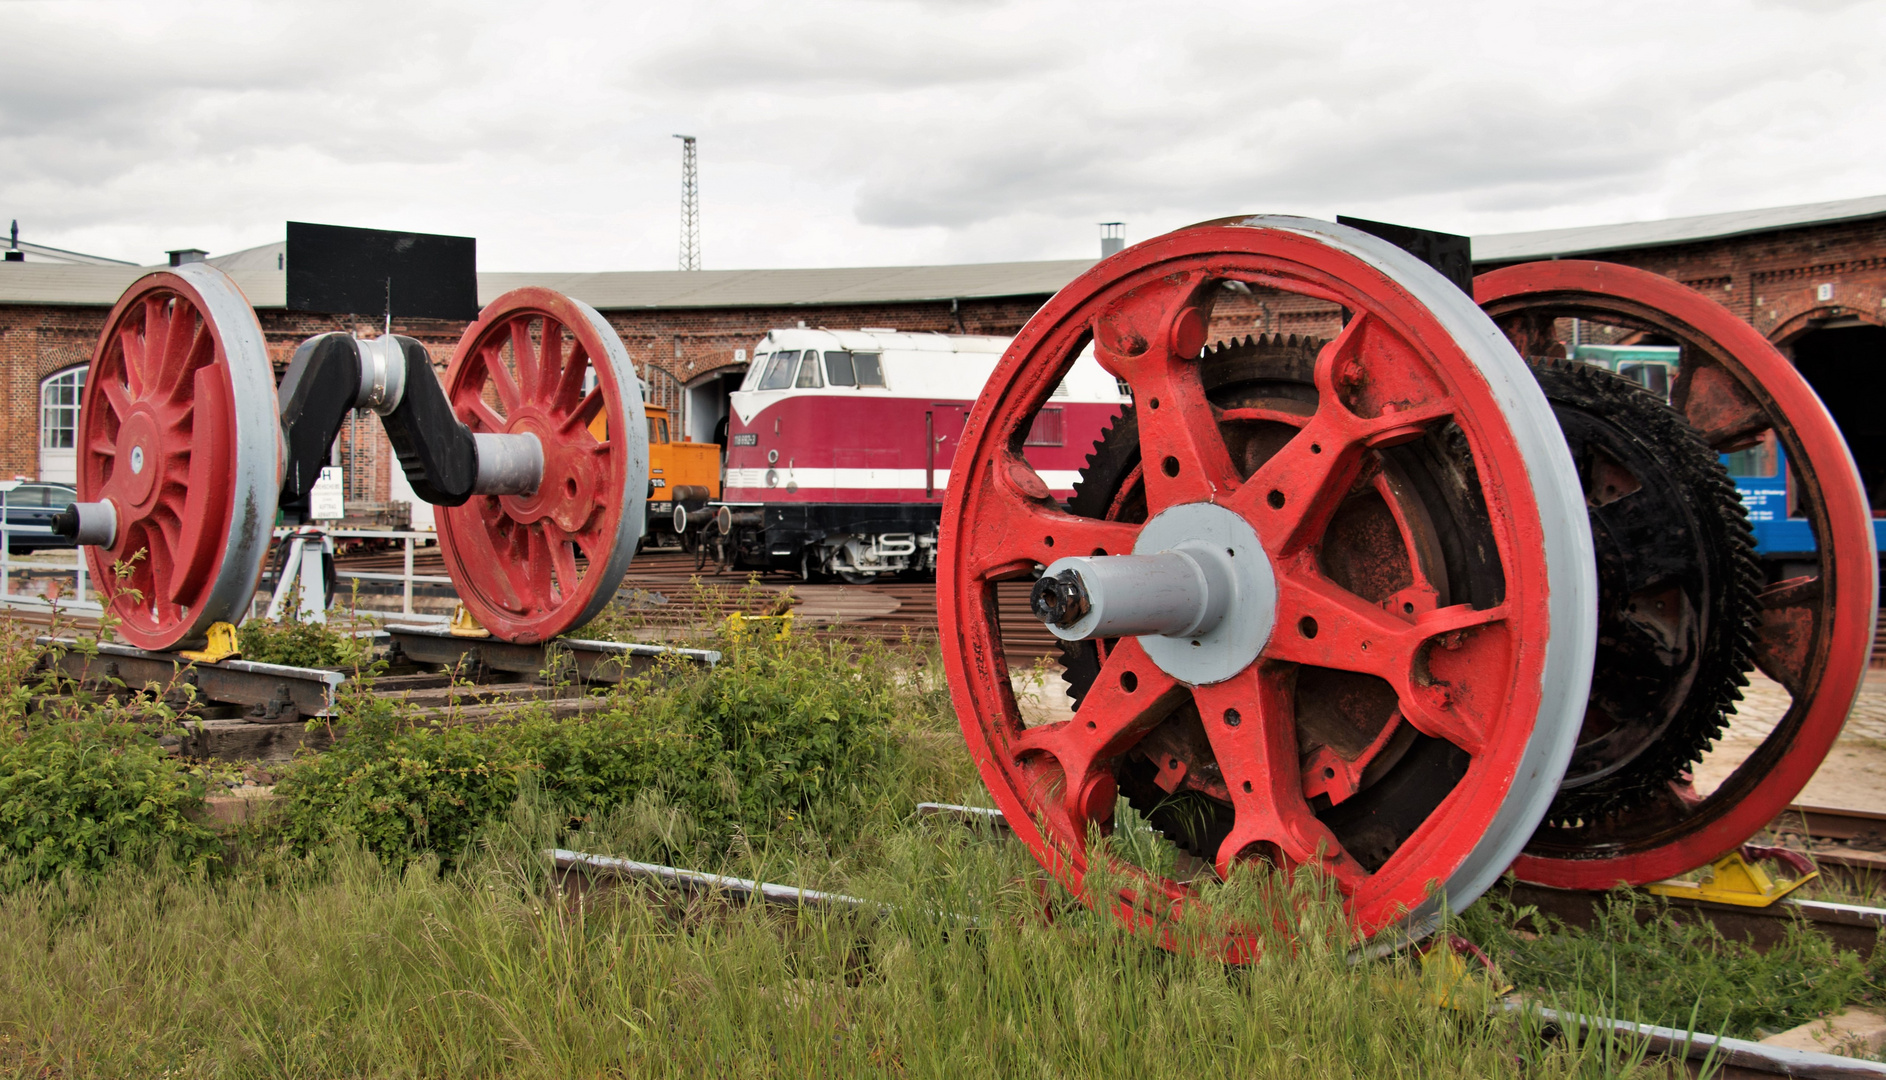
(1413,605)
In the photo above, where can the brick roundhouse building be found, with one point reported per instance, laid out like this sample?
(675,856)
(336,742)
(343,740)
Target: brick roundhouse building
(1811,278)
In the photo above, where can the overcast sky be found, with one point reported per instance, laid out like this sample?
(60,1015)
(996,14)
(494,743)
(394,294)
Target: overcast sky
(884,133)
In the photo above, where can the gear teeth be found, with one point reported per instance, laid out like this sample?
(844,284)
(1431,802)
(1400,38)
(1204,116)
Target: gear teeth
(1730,647)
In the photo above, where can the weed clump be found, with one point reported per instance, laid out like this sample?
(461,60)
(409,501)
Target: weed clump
(1656,969)
(79,794)
(780,735)
(302,644)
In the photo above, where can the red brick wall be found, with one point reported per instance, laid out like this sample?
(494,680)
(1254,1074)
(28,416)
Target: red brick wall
(1772,279)
(687,343)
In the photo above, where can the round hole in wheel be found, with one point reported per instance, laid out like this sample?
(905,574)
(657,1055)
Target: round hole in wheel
(1452,495)
(1306,626)
(1812,635)
(180,431)
(530,567)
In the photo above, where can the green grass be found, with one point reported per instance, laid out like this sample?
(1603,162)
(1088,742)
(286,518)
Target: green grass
(352,969)
(397,919)
(1656,969)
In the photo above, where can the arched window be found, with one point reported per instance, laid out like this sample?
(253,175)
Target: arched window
(59,425)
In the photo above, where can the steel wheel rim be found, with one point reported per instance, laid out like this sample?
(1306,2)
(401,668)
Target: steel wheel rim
(1758,377)
(210,440)
(593,492)
(1552,634)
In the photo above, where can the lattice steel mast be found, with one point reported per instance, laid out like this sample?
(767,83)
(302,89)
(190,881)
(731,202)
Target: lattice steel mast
(690,207)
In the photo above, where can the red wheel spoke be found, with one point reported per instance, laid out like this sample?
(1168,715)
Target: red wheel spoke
(1718,406)
(524,356)
(1131,696)
(1291,498)
(1252,727)
(562,558)
(116,396)
(482,417)
(131,347)
(1786,634)
(568,393)
(179,348)
(549,362)
(586,410)
(1028,533)
(498,376)
(1321,624)
(1183,453)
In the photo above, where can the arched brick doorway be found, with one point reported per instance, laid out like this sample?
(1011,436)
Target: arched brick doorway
(1843,356)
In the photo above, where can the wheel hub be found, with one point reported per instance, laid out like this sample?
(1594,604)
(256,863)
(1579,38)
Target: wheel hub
(1198,592)
(139,449)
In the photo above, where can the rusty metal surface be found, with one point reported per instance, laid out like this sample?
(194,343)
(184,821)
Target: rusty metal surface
(571,658)
(272,693)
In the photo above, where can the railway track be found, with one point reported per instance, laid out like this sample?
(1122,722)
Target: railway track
(659,589)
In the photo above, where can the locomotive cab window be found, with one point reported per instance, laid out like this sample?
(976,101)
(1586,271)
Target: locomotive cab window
(870,372)
(809,372)
(778,374)
(657,429)
(838,368)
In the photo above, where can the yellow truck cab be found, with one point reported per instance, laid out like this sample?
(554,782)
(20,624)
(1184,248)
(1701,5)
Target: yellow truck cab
(684,471)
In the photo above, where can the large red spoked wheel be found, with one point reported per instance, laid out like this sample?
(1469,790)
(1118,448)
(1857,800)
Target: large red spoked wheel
(1477,686)
(1816,632)
(180,433)
(530,567)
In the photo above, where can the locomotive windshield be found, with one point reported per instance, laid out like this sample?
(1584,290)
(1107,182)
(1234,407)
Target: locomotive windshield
(844,368)
(809,371)
(779,373)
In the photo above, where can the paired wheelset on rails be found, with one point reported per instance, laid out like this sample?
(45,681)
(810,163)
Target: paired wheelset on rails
(1413,606)
(534,447)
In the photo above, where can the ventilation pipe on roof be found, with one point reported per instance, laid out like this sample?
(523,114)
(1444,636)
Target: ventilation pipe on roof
(14,254)
(187,255)
(1112,238)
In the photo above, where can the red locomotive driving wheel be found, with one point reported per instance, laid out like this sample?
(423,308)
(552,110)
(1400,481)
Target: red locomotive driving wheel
(1356,623)
(532,566)
(1816,631)
(179,439)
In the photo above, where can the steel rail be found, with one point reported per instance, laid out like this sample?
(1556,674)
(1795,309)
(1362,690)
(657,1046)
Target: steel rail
(272,693)
(578,659)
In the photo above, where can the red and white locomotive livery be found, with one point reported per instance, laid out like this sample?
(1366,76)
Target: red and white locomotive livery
(840,445)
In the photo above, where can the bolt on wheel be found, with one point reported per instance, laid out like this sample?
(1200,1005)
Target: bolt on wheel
(534,565)
(179,456)
(1224,605)
(1815,633)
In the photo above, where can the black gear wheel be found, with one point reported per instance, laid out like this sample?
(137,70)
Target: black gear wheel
(1690,529)
(1677,591)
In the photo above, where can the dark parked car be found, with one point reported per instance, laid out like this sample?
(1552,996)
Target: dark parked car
(35,504)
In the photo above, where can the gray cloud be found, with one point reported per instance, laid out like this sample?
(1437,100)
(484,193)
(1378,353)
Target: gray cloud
(844,132)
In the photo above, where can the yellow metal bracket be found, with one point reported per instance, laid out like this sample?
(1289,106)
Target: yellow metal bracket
(464,624)
(222,646)
(1734,880)
(740,625)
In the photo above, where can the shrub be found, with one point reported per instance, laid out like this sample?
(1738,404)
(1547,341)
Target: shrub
(301,644)
(78,794)
(779,734)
